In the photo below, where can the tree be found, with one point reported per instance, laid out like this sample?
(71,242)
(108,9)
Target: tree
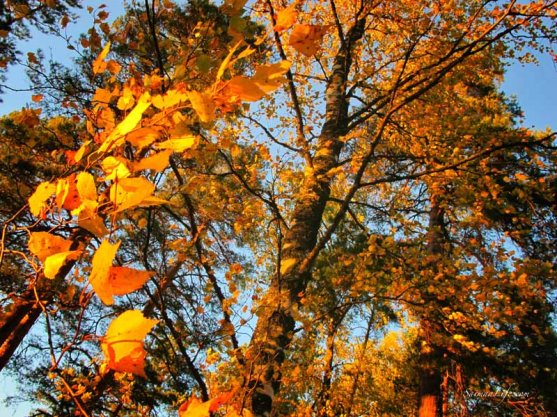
(377,142)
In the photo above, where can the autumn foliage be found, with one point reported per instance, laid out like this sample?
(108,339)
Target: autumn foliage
(314,208)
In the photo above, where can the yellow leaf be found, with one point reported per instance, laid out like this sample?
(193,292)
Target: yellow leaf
(123,280)
(286,18)
(41,195)
(168,100)
(226,61)
(44,244)
(81,151)
(286,265)
(99,65)
(128,124)
(88,218)
(132,192)
(156,162)
(85,184)
(115,167)
(143,137)
(102,262)
(203,105)
(177,145)
(54,262)
(123,343)
(307,39)
(126,100)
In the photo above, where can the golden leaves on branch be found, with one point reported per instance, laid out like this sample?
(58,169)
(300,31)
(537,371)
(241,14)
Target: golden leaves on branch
(133,128)
(52,250)
(123,344)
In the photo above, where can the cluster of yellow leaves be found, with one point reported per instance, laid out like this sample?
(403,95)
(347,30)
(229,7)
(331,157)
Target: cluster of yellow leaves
(52,250)
(110,182)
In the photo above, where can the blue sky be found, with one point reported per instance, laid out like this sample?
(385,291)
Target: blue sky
(535,86)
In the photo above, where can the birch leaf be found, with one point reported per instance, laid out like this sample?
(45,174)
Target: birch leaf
(203,105)
(177,145)
(132,192)
(85,184)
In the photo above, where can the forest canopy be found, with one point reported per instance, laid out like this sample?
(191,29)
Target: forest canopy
(278,208)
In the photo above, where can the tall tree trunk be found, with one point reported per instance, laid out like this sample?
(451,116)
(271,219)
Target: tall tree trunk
(430,389)
(275,324)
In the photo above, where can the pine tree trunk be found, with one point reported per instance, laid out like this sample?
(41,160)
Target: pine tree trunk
(16,323)
(431,396)
(430,391)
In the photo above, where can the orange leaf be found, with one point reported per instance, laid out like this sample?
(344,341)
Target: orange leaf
(128,124)
(88,218)
(307,39)
(156,162)
(270,77)
(143,137)
(267,79)
(203,105)
(44,244)
(102,262)
(123,343)
(85,184)
(177,145)
(67,195)
(41,195)
(37,97)
(123,280)
(244,89)
(286,18)
(132,192)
